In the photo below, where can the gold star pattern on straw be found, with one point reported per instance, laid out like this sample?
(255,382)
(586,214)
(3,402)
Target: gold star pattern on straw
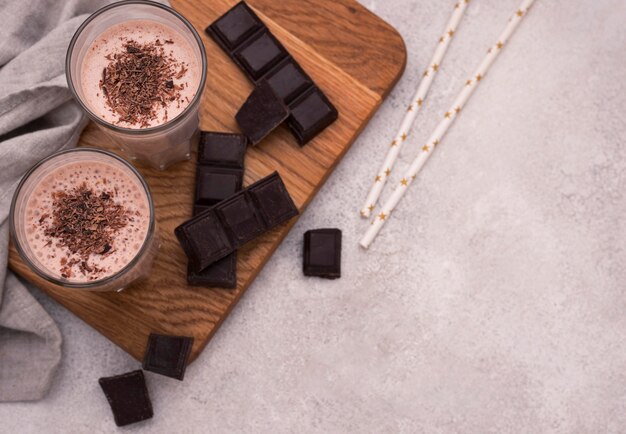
(378,178)
(457,110)
(412,176)
(436,142)
(479,77)
(388,172)
(489,50)
(404,182)
(394,142)
(468,83)
(451,33)
(499,45)
(371,207)
(425,74)
(441,40)
(362,213)
(410,108)
(403,136)
(435,67)
(458,5)
(466,2)
(447,115)
(419,102)
(520,13)
(382,216)
(425,148)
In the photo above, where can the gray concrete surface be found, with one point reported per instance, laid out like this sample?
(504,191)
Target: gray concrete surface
(494,301)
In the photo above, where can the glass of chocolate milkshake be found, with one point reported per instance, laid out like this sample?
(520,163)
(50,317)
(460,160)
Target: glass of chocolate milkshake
(138,69)
(84,218)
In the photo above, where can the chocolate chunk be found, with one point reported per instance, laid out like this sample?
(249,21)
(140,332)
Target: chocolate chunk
(250,44)
(167,355)
(220,274)
(204,240)
(222,229)
(214,184)
(262,112)
(288,80)
(235,26)
(222,149)
(197,209)
(322,253)
(311,113)
(260,54)
(240,217)
(128,397)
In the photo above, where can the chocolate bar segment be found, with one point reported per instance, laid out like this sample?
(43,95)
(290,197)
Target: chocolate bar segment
(260,54)
(220,274)
(322,253)
(128,397)
(311,113)
(222,149)
(235,26)
(222,229)
(214,184)
(204,240)
(262,57)
(167,355)
(262,112)
(288,80)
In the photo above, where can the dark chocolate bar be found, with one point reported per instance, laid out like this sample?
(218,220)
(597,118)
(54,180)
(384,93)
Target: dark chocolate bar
(222,149)
(222,229)
(167,355)
(261,113)
(128,397)
(220,274)
(250,44)
(322,253)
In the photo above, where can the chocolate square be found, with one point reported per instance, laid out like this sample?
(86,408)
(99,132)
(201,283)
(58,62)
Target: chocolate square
(167,355)
(273,200)
(128,397)
(261,113)
(310,114)
(204,240)
(197,209)
(240,217)
(235,26)
(322,253)
(288,80)
(260,54)
(214,184)
(222,149)
(220,274)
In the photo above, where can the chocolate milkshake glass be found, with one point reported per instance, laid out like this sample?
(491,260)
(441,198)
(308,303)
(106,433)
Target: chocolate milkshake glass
(138,69)
(84,218)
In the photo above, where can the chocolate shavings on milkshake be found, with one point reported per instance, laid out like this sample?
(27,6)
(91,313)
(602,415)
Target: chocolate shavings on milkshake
(85,223)
(140,80)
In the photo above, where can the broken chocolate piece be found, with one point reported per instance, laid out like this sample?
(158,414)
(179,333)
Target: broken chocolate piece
(311,113)
(322,253)
(222,229)
(167,355)
(262,112)
(128,397)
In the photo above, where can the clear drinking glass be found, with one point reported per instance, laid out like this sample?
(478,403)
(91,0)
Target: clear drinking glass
(162,145)
(137,267)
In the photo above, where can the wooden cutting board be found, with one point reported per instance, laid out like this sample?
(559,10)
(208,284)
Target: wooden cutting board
(354,56)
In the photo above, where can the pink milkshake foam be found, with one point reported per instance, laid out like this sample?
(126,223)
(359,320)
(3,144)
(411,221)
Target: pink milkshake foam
(99,178)
(113,41)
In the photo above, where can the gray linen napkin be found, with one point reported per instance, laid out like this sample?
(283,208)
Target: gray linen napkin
(37,118)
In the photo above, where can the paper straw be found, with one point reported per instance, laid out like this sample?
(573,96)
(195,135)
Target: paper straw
(428,76)
(470,85)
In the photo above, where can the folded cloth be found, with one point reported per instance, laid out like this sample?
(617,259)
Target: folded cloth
(37,118)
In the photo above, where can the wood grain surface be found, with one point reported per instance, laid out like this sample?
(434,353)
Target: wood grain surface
(355,57)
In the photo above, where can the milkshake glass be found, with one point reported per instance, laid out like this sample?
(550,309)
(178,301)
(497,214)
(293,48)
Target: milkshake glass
(84,218)
(167,137)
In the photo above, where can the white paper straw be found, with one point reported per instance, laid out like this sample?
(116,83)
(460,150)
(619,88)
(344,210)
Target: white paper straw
(428,76)
(470,85)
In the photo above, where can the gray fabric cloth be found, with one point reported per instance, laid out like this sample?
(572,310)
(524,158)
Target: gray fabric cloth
(37,118)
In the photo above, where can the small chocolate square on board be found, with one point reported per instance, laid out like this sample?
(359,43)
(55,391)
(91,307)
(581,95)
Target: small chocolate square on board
(214,184)
(232,28)
(322,253)
(128,397)
(260,54)
(220,274)
(261,113)
(273,200)
(167,355)
(240,218)
(222,149)
(288,80)
(311,113)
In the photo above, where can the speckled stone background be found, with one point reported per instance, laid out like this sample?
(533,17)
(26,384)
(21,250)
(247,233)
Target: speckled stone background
(495,299)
